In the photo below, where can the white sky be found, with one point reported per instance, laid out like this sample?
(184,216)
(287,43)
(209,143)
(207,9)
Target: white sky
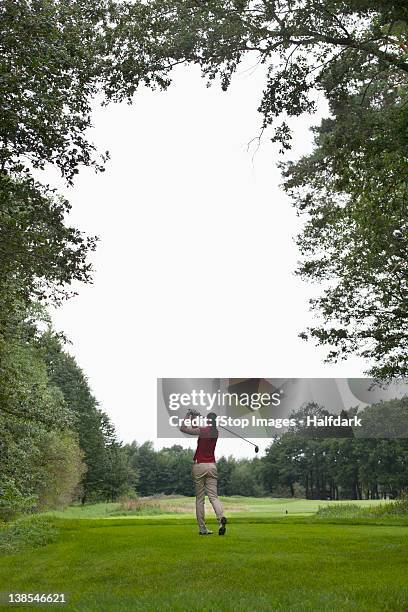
(194,268)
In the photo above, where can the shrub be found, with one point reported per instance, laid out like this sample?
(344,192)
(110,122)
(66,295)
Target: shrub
(398,507)
(62,468)
(12,501)
(26,532)
(395,508)
(138,505)
(340,511)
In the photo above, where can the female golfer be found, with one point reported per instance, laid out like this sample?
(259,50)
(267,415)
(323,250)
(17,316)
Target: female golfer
(205,471)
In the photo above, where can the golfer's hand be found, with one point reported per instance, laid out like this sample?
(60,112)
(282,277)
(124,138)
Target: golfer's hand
(192,413)
(193,431)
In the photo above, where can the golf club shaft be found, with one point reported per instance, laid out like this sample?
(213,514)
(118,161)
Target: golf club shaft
(236,434)
(229,430)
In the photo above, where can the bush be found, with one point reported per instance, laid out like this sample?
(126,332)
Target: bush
(62,468)
(12,501)
(138,505)
(398,507)
(341,511)
(27,532)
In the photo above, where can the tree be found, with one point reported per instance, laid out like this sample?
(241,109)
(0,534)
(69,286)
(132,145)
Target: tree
(143,458)
(62,467)
(387,419)
(41,464)
(96,434)
(344,462)
(244,481)
(283,462)
(312,409)
(51,65)
(175,470)
(12,500)
(81,48)
(55,442)
(342,468)
(119,477)
(225,468)
(25,391)
(353,192)
(40,255)
(304,45)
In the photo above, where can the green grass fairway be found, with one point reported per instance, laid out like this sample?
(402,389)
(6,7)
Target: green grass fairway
(292,563)
(184,506)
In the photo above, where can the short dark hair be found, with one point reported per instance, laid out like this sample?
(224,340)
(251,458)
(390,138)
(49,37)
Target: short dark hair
(212,420)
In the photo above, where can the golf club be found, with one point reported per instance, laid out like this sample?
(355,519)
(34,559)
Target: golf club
(238,436)
(196,413)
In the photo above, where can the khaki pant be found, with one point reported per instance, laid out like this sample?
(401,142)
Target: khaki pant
(205,481)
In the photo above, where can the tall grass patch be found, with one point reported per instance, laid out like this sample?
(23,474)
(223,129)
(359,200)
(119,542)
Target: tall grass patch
(26,532)
(397,508)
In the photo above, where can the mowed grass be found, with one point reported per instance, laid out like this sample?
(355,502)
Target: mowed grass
(267,562)
(184,506)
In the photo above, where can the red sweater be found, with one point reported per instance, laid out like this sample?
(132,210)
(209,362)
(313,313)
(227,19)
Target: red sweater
(205,447)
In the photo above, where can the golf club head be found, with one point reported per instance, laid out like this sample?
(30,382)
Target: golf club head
(256,449)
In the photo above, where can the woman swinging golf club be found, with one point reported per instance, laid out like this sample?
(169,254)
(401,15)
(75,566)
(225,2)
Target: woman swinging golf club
(205,471)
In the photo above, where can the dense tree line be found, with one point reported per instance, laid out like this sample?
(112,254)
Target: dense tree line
(315,468)
(108,472)
(370,461)
(365,461)
(336,468)
(168,471)
(56,445)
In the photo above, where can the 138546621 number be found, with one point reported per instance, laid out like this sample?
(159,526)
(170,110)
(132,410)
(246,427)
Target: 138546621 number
(36,598)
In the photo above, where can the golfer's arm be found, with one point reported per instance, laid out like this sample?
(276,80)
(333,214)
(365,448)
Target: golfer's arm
(192,431)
